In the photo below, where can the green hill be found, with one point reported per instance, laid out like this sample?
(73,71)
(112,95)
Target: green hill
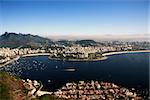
(11,87)
(14,40)
(86,42)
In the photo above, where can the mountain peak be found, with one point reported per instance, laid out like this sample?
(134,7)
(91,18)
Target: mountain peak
(24,40)
(7,34)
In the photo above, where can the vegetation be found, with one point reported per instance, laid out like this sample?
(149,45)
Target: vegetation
(11,87)
(94,55)
(4,92)
(50,97)
(86,42)
(14,40)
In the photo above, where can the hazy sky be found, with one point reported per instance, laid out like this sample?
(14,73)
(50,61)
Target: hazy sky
(79,18)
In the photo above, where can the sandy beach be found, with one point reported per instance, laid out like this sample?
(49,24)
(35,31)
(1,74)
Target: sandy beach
(123,52)
(38,54)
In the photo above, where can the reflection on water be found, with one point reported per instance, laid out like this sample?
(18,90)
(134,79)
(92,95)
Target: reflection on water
(70,69)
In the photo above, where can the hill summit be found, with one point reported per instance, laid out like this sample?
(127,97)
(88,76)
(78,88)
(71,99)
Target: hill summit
(14,40)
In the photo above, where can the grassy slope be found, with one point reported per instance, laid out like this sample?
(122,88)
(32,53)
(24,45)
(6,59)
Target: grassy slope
(11,87)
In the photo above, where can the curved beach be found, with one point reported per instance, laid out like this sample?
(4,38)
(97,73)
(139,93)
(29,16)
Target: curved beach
(38,54)
(98,59)
(123,52)
(103,58)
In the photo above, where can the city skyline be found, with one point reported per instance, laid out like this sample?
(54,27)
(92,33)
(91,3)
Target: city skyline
(76,19)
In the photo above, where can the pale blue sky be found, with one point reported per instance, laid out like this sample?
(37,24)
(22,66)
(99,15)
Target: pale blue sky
(99,17)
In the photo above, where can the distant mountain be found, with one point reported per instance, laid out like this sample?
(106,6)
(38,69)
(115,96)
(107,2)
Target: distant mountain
(79,42)
(65,42)
(14,40)
(86,42)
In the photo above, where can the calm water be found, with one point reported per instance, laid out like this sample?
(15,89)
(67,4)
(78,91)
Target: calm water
(129,70)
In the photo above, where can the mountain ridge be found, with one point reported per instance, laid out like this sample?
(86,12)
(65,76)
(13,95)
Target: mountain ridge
(14,40)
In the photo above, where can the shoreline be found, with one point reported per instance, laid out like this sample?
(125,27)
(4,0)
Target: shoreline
(105,56)
(10,61)
(124,52)
(98,59)
(37,54)
(47,54)
(102,58)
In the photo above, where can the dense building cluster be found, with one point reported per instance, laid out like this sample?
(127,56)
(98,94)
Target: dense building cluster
(95,90)
(75,51)
(7,54)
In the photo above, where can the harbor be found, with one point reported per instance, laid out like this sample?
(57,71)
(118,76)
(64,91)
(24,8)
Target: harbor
(54,74)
